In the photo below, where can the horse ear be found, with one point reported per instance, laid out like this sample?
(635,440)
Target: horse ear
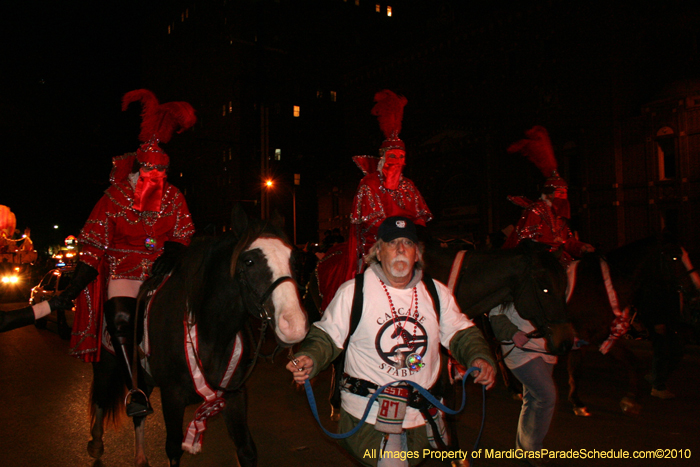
(277,220)
(239,219)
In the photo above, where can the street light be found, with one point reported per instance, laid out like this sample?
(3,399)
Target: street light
(265,205)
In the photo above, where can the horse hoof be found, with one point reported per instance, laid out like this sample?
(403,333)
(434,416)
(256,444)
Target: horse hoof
(95,448)
(630,407)
(582,412)
(335,414)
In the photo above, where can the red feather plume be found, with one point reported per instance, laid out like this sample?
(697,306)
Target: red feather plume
(160,120)
(389,111)
(537,147)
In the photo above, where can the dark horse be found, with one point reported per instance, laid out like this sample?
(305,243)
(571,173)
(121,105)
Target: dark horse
(529,276)
(647,277)
(218,285)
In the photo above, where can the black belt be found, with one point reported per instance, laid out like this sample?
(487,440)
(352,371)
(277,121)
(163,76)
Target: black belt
(364,388)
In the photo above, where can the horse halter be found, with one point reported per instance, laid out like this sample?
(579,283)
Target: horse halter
(259,304)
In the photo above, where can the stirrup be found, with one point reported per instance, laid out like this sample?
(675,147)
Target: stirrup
(137,408)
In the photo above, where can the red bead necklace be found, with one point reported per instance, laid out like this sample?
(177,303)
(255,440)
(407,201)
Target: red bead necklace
(398,327)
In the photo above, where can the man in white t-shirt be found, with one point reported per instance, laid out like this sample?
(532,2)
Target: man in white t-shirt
(397,338)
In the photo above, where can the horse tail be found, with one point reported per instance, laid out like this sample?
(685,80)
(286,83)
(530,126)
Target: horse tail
(107,391)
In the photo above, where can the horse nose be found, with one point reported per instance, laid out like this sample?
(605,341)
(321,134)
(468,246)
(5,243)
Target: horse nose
(561,338)
(293,326)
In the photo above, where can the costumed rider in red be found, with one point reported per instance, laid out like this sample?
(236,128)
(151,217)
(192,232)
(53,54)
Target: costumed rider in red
(545,220)
(140,218)
(383,192)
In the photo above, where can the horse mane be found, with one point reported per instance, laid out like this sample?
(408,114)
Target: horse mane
(210,259)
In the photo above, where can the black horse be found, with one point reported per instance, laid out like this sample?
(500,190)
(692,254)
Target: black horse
(529,276)
(646,278)
(207,300)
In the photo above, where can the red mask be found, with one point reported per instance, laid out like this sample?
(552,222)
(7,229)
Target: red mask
(395,159)
(149,190)
(560,203)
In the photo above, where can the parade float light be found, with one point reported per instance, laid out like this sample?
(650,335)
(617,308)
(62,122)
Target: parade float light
(10,279)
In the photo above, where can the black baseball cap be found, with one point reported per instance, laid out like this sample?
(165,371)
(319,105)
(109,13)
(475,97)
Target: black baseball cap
(397,227)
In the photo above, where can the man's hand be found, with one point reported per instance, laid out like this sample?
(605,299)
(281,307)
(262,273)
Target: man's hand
(486,374)
(301,368)
(520,339)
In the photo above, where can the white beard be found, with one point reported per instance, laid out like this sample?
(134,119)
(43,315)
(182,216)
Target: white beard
(396,272)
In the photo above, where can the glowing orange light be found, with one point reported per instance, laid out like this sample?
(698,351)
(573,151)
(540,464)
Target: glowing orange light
(269,183)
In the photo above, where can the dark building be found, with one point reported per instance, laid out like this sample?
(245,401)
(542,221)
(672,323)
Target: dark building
(596,75)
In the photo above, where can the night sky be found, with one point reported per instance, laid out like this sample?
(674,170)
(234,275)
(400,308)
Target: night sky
(66,66)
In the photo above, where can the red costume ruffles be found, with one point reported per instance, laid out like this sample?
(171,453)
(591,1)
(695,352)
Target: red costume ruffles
(373,203)
(539,223)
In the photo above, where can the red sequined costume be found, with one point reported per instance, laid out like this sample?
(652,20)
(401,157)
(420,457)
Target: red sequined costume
(374,202)
(383,192)
(539,223)
(113,241)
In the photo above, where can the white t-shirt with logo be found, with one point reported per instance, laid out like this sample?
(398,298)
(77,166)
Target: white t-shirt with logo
(376,352)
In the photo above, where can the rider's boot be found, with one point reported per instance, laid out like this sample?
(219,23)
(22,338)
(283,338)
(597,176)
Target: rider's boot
(119,315)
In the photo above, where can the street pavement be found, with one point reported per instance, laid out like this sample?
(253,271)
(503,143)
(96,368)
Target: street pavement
(44,394)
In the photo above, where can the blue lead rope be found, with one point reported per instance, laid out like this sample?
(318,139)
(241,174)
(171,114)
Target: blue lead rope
(424,392)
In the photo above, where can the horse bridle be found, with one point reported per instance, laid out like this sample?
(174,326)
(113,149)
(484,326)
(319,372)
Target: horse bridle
(259,304)
(537,333)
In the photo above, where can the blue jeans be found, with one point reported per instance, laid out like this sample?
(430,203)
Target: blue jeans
(539,401)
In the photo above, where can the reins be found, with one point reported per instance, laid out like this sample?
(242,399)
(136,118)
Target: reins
(423,392)
(266,319)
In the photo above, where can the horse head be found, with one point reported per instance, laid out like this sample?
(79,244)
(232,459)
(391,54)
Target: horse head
(262,262)
(677,272)
(539,295)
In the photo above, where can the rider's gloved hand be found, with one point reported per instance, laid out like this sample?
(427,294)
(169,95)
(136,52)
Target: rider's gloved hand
(60,302)
(520,339)
(83,275)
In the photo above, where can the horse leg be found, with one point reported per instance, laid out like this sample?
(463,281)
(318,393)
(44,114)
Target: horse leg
(140,459)
(235,415)
(621,353)
(95,446)
(173,414)
(107,399)
(573,363)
